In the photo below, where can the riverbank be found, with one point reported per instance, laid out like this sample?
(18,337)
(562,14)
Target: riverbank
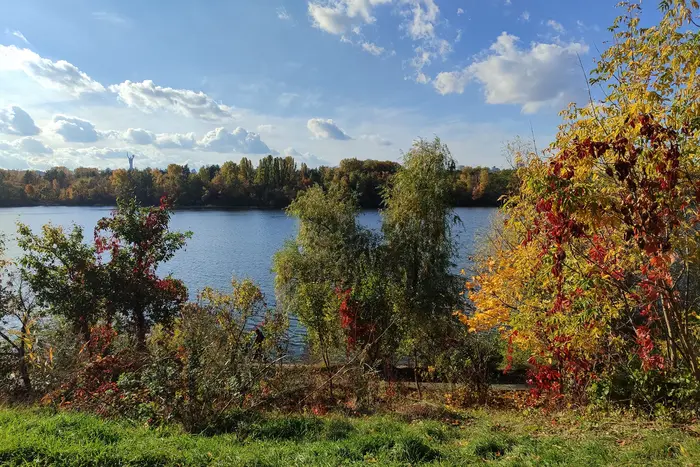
(215,207)
(42,437)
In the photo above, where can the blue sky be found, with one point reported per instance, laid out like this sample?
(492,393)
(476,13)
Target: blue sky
(201,82)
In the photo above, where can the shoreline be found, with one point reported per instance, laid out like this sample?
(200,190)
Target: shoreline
(209,207)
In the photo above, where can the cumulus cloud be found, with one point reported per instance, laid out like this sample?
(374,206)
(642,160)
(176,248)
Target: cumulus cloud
(376,139)
(59,75)
(74,129)
(149,97)
(30,145)
(309,159)
(238,140)
(373,49)
(340,16)
(175,141)
(326,129)
(139,136)
(452,82)
(525,16)
(15,121)
(543,75)
(460,11)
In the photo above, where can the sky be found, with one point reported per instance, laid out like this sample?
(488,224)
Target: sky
(83,82)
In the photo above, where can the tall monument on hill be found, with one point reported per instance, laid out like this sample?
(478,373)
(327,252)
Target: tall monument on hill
(131,160)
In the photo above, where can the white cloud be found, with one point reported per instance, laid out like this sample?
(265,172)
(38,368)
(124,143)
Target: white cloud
(18,35)
(422,78)
(556,26)
(583,27)
(239,140)
(31,146)
(266,128)
(10,161)
(175,141)
(424,56)
(139,136)
(24,153)
(545,75)
(423,18)
(374,49)
(74,129)
(113,18)
(420,20)
(307,158)
(452,82)
(340,16)
(460,11)
(283,14)
(525,16)
(15,121)
(376,139)
(97,157)
(149,97)
(326,129)
(59,75)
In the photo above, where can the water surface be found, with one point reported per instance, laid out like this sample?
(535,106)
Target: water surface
(224,243)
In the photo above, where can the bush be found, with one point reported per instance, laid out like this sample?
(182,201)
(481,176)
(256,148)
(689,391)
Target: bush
(212,361)
(93,384)
(470,359)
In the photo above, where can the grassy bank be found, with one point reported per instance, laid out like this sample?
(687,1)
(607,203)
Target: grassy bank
(37,437)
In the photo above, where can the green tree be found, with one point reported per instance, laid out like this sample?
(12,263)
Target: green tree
(63,272)
(417,226)
(310,269)
(17,315)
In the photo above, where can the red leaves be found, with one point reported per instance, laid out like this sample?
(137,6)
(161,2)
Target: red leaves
(94,386)
(650,360)
(642,204)
(357,330)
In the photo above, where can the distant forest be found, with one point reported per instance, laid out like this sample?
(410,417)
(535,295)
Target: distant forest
(274,183)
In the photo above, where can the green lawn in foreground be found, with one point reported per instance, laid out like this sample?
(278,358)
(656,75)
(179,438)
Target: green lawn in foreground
(36,437)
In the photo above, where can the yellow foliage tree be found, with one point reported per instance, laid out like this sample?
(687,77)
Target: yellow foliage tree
(595,266)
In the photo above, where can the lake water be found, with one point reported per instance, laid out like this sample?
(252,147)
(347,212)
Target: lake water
(224,243)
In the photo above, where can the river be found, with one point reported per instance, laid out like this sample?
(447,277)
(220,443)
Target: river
(224,243)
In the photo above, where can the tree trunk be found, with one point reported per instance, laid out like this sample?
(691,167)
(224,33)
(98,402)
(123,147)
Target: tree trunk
(415,374)
(140,322)
(23,369)
(84,329)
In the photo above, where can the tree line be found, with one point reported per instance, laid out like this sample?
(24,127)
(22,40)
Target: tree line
(274,183)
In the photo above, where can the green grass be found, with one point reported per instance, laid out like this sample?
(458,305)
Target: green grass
(39,437)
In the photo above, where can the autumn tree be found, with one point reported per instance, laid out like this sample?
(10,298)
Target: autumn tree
(131,244)
(594,269)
